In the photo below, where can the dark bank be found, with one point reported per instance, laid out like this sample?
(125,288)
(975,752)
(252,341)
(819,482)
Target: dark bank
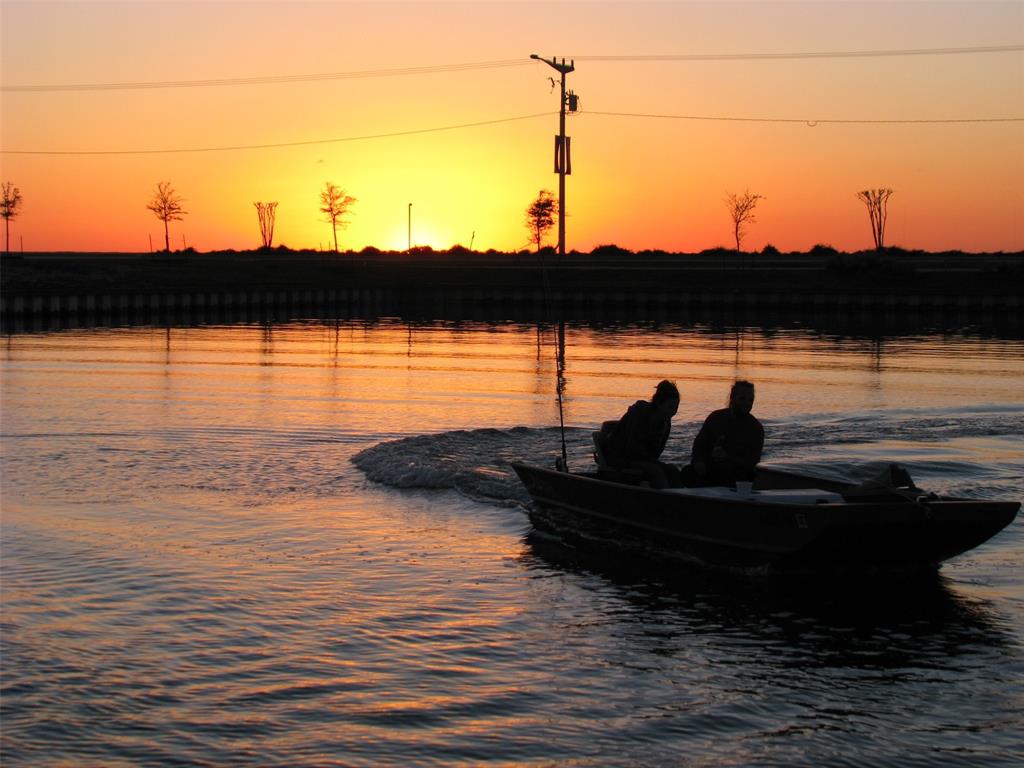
(464,284)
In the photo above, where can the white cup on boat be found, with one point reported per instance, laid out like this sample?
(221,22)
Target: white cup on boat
(744,487)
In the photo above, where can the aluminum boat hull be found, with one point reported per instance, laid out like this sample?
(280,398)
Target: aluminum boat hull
(790,523)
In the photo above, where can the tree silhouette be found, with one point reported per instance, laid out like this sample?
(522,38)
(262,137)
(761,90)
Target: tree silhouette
(266,212)
(334,203)
(9,210)
(741,208)
(877,201)
(166,204)
(540,217)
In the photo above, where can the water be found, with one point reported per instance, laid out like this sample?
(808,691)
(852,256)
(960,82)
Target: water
(301,545)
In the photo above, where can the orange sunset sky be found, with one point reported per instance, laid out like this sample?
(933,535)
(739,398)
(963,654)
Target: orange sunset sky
(639,182)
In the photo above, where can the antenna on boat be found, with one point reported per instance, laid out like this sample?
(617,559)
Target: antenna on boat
(563,465)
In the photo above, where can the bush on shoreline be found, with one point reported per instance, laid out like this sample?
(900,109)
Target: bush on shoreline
(821,250)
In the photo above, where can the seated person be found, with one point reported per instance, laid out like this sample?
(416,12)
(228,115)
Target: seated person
(638,438)
(729,445)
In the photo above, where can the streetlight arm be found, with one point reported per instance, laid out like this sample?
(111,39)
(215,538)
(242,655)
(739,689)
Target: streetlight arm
(553,63)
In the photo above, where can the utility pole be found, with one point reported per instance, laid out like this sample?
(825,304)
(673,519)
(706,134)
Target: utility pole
(563,165)
(410,227)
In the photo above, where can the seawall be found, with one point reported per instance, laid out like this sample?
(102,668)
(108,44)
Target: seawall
(89,289)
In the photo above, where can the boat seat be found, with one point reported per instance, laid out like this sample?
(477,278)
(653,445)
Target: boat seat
(606,471)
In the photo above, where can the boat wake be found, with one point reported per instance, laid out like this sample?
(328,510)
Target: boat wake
(473,462)
(974,453)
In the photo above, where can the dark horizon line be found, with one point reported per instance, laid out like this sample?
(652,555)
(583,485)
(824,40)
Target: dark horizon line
(458,249)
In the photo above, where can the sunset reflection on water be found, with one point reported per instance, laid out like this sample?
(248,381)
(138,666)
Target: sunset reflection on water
(400,376)
(195,571)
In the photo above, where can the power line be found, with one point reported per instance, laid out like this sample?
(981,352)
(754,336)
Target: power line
(438,129)
(814,121)
(268,79)
(498,64)
(394,134)
(863,54)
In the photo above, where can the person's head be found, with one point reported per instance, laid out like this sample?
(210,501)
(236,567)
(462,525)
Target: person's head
(666,397)
(741,397)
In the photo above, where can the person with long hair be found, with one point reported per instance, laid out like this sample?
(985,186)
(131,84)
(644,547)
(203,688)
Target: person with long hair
(637,440)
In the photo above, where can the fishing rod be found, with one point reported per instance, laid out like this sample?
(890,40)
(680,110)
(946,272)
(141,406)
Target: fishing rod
(562,465)
(559,385)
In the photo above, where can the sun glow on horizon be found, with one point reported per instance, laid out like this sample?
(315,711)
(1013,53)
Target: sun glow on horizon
(638,181)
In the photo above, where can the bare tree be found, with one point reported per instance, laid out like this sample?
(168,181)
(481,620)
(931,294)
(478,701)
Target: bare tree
(166,204)
(741,208)
(334,203)
(266,212)
(9,210)
(540,217)
(877,200)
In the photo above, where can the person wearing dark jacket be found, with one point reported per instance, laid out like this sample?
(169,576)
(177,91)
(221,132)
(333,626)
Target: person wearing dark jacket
(729,445)
(638,438)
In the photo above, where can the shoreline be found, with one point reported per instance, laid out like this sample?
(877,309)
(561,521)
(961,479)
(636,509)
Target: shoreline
(464,285)
(64,272)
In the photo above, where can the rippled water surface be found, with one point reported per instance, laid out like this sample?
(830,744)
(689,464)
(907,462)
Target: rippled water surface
(301,545)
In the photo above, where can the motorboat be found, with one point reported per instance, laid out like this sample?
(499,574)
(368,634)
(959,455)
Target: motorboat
(783,522)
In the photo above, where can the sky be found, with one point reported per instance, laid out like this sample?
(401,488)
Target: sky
(646,172)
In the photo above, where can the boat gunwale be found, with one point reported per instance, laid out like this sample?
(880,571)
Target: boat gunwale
(945,502)
(571,504)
